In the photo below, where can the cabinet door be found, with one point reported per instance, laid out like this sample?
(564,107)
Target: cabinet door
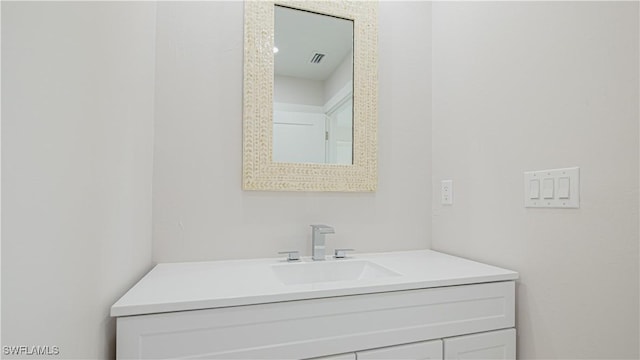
(426,350)
(499,344)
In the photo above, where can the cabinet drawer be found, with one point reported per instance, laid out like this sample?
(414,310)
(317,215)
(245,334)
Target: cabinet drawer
(426,350)
(494,345)
(319,327)
(348,356)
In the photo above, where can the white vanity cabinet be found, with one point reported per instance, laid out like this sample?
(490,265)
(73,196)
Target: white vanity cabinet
(321,327)
(425,350)
(440,307)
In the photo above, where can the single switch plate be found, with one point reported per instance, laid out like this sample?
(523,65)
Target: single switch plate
(559,188)
(446,191)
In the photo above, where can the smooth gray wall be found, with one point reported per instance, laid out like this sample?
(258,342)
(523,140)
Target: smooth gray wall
(339,78)
(200,211)
(291,90)
(77,140)
(532,86)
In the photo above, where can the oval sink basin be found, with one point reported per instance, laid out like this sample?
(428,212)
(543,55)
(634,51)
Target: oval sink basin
(328,271)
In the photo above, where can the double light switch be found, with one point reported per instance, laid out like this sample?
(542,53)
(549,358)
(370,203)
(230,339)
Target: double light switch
(557,188)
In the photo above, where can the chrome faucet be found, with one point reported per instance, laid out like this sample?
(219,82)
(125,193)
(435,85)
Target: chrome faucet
(317,240)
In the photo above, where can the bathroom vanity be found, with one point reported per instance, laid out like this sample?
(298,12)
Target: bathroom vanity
(398,305)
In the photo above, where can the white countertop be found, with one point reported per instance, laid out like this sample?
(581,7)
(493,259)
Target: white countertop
(204,285)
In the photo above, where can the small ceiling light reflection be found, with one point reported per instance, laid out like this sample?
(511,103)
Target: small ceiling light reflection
(275,50)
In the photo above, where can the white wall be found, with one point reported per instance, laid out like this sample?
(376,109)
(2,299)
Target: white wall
(199,209)
(339,78)
(531,86)
(77,138)
(292,90)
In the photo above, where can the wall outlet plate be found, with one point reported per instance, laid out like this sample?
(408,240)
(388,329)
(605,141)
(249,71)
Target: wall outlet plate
(446,192)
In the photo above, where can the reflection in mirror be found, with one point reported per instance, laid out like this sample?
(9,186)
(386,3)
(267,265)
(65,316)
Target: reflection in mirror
(313,88)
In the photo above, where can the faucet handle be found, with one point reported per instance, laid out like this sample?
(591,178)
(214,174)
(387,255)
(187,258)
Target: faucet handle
(341,253)
(291,255)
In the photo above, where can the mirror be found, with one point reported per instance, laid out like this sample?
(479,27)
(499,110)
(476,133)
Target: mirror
(306,126)
(313,88)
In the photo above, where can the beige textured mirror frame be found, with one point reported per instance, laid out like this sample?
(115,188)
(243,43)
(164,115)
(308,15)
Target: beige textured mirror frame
(259,171)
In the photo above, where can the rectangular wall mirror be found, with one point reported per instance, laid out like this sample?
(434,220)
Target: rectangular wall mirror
(310,96)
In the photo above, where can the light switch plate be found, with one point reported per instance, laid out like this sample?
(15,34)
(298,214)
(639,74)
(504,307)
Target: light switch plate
(561,196)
